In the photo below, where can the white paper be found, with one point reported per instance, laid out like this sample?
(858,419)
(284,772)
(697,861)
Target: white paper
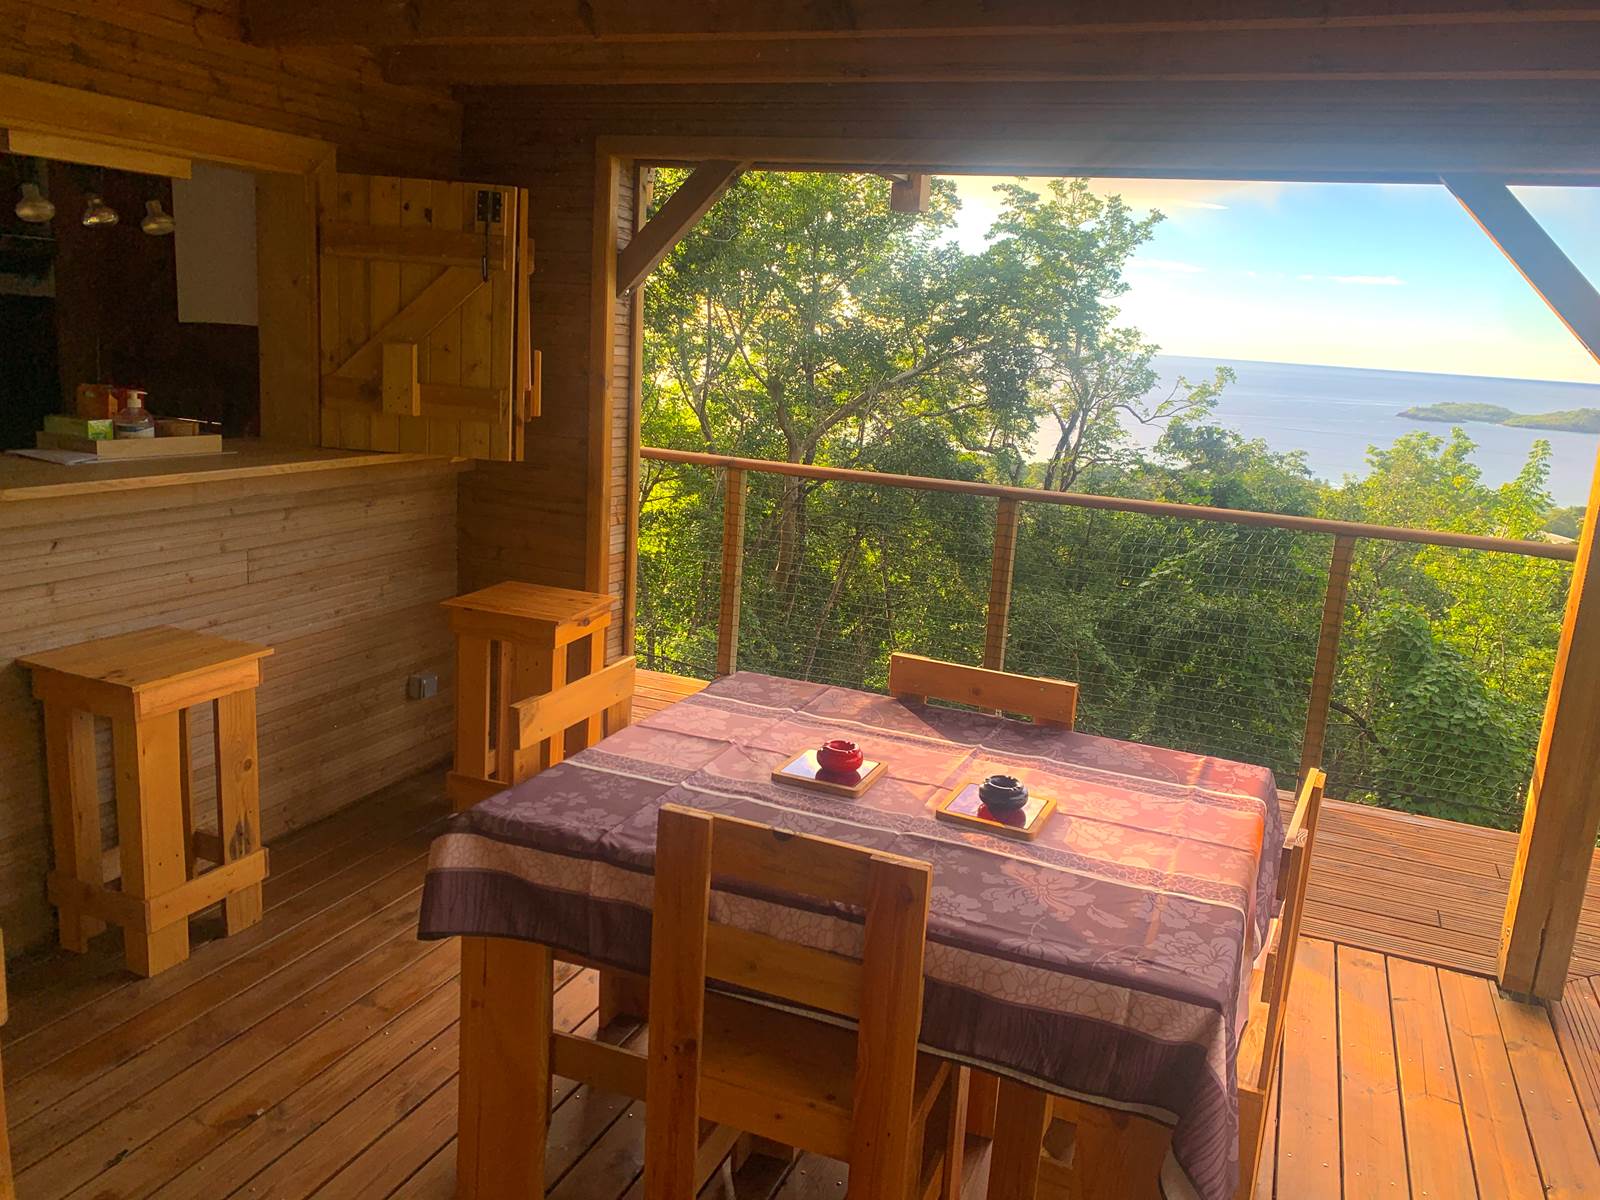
(64,458)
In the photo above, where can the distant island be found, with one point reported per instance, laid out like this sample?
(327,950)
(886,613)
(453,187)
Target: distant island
(1572,420)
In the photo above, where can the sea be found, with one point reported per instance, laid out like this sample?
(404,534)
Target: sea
(1335,414)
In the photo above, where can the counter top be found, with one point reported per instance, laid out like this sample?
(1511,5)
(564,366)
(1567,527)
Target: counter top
(23,479)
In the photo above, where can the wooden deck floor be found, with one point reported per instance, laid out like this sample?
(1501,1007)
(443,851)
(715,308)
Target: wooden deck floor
(314,1055)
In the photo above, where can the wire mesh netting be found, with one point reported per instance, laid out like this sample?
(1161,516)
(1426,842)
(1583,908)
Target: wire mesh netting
(680,568)
(1196,634)
(1442,675)
(837,576)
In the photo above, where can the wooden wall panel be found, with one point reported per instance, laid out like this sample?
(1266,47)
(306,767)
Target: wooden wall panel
(621,488)
(342,573)
(516,522)
(190,55)
(527,520)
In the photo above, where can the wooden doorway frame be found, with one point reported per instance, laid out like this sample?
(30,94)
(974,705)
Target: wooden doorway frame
(1563,813)
(290,172)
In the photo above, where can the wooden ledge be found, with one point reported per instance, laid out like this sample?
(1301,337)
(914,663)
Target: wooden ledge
(23,479)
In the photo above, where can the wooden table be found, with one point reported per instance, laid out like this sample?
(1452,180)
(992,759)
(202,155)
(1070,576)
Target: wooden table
(1104,960)
(143,682)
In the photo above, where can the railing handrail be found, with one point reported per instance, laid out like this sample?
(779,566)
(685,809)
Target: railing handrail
(1154,508)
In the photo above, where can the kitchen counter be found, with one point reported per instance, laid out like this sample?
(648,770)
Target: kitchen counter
(24,479)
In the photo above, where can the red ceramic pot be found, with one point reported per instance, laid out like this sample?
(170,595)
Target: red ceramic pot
(839,755)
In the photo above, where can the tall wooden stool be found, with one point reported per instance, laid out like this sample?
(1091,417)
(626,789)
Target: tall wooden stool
(143,682)
(512,642)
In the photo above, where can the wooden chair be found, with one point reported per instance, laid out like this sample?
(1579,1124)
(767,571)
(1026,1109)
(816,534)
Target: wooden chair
(598,705)
(1046,701)
(1051,702)
(863,1095)
(1259,1049)
(1115,1154)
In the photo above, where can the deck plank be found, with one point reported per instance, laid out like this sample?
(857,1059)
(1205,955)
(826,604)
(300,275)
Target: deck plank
(1437,1156)
(1373,1157)
(1560,1136)
(1577,1024)
(54,1164)
(1497,1131)
(1308,1125)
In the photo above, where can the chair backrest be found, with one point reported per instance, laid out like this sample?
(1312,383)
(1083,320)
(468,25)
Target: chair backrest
(596,701)
(882,991)
(1284,933)
(1047,701)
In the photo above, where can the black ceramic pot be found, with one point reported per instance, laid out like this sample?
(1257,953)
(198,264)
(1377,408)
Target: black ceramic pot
(1002,793)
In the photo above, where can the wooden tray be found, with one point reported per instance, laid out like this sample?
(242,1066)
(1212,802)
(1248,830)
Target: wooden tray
(803,771)
(963,807)
(128,449)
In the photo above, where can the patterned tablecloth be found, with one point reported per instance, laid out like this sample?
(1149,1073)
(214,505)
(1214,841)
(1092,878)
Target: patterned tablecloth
(1107,960)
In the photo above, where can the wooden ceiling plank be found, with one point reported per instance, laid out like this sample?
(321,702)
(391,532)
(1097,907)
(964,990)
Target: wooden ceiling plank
(1566,50)
(398,22)
(678,215)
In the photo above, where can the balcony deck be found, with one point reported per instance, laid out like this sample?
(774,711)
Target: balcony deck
(314,1054)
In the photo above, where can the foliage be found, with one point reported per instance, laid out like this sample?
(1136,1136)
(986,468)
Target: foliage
(1565,522)
(803,321)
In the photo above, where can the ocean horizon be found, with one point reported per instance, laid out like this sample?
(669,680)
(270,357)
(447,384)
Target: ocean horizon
(1334,414)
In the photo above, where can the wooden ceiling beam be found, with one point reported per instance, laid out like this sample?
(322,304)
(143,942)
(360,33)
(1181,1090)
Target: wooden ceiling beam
(1534,253)
(910,194)
(398,22)
(1536,52)
(692,200)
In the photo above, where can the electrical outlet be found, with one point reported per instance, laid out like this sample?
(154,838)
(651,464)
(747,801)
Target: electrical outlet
(422,686)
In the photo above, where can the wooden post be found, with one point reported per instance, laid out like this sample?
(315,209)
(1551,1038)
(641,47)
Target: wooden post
(150,830)
(1006,515)
(504,1106)
(1556,846)
(732,571)
(74,814)
(910,194)
(1023,1115)
(238,797)
(1311,746)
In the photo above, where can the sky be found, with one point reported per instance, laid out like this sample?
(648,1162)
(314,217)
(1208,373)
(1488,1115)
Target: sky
(1387,276)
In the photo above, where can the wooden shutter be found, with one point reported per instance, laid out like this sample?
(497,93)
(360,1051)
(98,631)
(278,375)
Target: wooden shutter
(419,351)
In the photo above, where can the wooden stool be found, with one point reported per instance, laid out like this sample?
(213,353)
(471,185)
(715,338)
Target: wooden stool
(517,637)
(143,682)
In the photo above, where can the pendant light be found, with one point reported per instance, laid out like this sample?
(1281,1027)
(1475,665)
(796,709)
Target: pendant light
(96,212)
(156,223)
(34,208)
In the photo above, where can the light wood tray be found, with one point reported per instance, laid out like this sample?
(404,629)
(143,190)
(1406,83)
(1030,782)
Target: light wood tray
(128,449)
(963,807)
(802,771)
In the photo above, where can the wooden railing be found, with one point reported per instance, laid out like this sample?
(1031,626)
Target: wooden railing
(1345,534)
